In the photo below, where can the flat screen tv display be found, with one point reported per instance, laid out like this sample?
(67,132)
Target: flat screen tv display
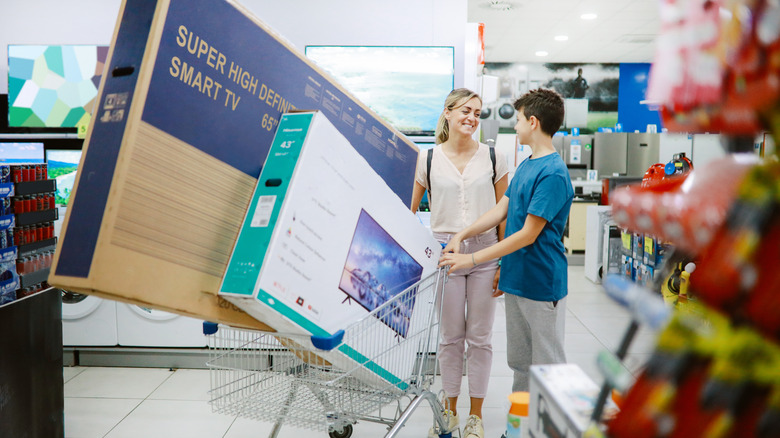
(53,86)
(21,152)
(404,85)
(62,165)
(377,269)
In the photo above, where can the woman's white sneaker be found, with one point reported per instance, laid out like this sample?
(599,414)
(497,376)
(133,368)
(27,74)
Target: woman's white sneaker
(473,428)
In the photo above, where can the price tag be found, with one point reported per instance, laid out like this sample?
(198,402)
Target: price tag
(626,240)
(83,126)
(649,246)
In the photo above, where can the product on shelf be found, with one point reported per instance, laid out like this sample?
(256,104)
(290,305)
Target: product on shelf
(26,231)
(716,369)
(684,210)
(738,271)
(716,66)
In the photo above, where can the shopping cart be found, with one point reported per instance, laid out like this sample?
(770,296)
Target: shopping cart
(287,379)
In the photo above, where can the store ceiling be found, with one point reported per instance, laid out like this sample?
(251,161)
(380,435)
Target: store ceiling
(624,30)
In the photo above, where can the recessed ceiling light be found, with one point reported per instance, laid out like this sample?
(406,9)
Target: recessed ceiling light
(561,38)
(588,16)
(541,53)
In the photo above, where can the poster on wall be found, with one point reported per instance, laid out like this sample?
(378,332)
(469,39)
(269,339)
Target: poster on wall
(405,85)
(53,86)
(590,91)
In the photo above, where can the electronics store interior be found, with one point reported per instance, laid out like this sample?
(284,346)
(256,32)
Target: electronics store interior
(168,273)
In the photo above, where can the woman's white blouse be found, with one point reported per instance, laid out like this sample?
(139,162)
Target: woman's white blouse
(459,199)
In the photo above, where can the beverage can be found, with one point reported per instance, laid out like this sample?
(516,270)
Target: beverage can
(16,173)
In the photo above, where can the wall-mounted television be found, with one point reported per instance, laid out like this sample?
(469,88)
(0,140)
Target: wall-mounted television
(377,269)
(53,86)
(405,85)
(62,165)
(21,152)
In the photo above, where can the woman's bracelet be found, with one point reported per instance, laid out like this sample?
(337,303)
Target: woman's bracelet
(472,259)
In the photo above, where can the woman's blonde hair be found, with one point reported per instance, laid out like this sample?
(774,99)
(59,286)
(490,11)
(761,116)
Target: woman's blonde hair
(457,98)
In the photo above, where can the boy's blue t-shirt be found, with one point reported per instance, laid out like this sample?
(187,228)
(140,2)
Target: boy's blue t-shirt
(541,187)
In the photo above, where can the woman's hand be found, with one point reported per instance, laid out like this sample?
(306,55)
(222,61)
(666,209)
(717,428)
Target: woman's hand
(455,261)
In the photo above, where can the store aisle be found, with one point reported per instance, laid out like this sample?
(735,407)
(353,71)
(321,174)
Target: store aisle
(150,403)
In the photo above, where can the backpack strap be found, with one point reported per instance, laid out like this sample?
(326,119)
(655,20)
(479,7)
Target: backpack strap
(493,159)
(430,158)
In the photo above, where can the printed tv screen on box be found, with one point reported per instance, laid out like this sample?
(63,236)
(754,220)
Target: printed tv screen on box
(324,242)
(377,269)
(178,138)
(53,86)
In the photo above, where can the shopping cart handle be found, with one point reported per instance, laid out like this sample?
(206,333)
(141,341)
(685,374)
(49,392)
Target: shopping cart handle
(328,343)
(209,328)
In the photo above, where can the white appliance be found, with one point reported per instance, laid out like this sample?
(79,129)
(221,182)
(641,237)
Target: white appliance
(576,113)
(598,219)
(143,327)
(672,144)
(88,320)
(706,148)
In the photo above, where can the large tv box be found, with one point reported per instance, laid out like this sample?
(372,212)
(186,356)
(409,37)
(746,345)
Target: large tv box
(325,242)
(188,106)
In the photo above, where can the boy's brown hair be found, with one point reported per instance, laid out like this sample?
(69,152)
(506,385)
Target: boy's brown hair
(546,105)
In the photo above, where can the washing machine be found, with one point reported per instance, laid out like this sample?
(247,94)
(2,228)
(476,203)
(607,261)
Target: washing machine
(502,111)
(143,327)
(88,320)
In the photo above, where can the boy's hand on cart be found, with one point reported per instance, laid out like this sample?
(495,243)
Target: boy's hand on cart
(455,261)
(453,245)
(496,291)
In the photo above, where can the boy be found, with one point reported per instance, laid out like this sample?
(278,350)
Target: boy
(536,207)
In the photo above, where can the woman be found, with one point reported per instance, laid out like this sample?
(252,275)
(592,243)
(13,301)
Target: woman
(463,184)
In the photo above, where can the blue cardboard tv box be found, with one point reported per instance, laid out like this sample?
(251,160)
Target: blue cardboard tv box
(185,115)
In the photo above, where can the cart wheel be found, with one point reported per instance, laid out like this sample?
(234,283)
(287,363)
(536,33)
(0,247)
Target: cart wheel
(345,433)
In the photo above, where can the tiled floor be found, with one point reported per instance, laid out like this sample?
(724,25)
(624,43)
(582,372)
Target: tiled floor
(148,402)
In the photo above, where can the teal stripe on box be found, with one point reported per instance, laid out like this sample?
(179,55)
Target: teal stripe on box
(253,239)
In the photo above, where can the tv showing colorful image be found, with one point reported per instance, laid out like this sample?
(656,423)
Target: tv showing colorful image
(62,165)
(21,152)
(53,86)
(377,269)
(405,85)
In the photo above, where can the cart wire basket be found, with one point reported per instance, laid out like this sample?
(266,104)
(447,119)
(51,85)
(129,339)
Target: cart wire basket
(288,379)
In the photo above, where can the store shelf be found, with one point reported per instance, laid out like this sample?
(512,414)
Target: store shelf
(36,217)
(33,187)
(32,278)
(36,246)
(31,367)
